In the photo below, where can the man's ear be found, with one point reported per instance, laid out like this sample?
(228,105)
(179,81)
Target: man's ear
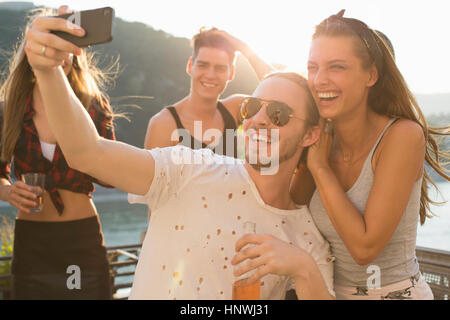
(232,72)
(373,76)
(311,136)
(189,66)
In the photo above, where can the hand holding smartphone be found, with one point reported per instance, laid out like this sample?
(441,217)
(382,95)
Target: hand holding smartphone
(96,23)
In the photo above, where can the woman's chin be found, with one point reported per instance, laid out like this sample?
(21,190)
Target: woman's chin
(329,112)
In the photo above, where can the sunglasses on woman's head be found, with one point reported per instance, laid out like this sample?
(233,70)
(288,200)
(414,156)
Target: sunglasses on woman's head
(367,36)
(278,112)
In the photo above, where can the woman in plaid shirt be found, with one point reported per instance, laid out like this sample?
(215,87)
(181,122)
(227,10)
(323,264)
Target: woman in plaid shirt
(66,234)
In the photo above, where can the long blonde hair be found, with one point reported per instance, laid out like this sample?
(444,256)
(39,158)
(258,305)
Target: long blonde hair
(85,78)
(391,96)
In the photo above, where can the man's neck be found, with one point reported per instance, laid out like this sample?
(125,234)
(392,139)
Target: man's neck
(200,108)
(274,189)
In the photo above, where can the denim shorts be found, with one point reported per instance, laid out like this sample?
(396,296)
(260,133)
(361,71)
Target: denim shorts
(414,288)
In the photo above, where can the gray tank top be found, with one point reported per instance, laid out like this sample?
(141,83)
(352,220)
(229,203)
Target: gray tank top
(398,259)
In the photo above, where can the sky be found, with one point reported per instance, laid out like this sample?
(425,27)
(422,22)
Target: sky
(280,30)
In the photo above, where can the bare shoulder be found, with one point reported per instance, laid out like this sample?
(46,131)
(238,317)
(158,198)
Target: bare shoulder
(233,104)
(403,140)
(164,117)
(407,132)
(233,100)
(160,129)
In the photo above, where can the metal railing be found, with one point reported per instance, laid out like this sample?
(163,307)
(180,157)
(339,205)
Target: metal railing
(434,265)
(120,258)
(5,280)
(435,268)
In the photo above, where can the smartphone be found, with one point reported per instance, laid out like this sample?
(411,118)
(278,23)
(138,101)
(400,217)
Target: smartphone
(96,23)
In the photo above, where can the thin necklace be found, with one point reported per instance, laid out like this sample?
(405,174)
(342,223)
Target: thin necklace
(347,157)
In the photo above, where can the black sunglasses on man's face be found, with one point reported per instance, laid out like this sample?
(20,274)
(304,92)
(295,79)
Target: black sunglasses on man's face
(278,112)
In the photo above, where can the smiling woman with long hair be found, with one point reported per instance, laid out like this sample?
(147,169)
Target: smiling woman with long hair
(67,231)
(369,186)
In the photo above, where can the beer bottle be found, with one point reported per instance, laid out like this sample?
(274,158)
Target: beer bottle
(241,290)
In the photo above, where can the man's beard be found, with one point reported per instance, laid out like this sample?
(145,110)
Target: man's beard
(285,152)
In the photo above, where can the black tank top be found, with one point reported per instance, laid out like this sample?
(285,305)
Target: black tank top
(220,148)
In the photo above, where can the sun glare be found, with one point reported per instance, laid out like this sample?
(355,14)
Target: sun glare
(280,31)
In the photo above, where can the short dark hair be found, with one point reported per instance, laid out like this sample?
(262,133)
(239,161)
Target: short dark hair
(207,37)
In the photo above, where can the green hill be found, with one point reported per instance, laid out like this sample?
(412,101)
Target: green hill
(152,63)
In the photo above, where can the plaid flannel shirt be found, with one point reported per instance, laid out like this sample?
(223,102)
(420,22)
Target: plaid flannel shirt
(28,155)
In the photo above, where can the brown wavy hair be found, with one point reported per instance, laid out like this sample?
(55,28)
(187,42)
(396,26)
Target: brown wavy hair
(391,96)
(312,112)
(207,37)
(85,78)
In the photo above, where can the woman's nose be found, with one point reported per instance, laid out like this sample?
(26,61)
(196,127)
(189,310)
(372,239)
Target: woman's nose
(320,77)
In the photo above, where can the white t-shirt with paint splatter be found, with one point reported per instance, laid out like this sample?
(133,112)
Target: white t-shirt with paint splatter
(198,211)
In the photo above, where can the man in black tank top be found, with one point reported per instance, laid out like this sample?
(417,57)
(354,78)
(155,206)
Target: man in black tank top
(228,141)
(200,120)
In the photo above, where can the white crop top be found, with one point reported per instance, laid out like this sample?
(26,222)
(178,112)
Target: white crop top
(48,150)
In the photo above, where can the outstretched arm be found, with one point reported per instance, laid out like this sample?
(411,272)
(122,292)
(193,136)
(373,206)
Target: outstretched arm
(118,164)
